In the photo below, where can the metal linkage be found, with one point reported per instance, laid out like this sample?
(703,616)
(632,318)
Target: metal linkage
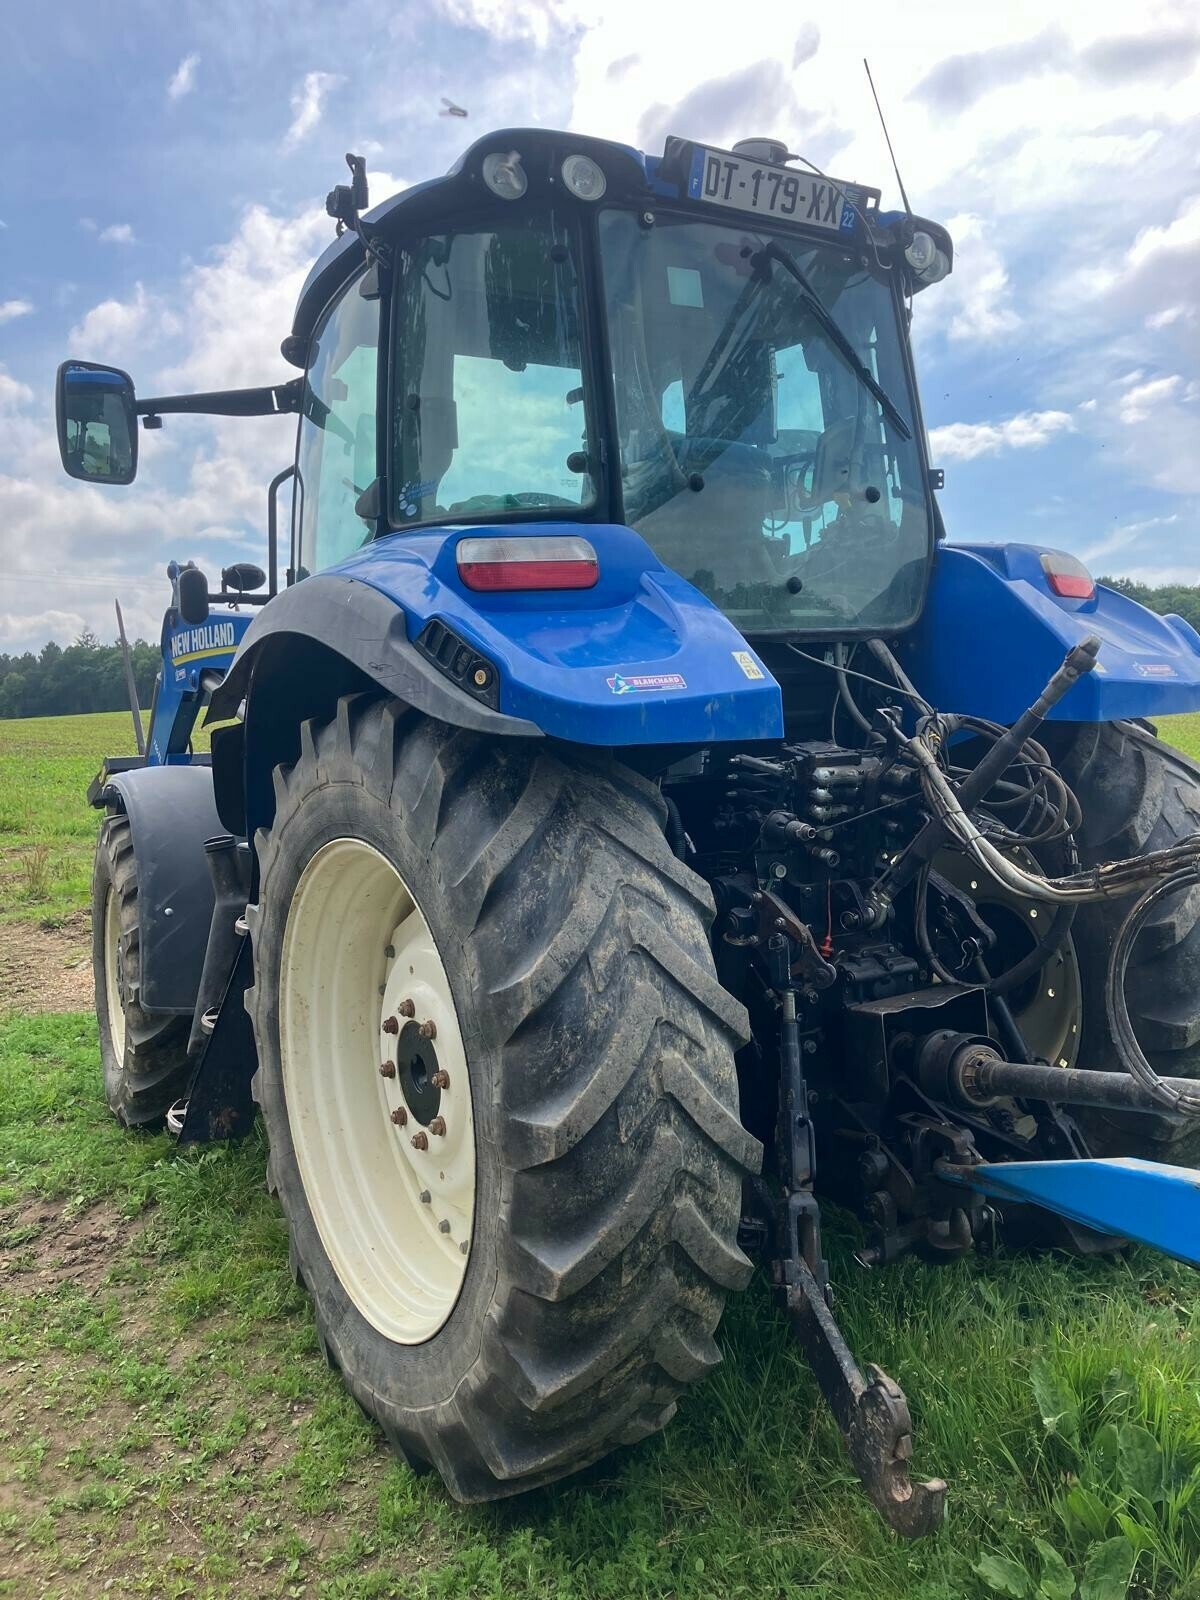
(871,1412)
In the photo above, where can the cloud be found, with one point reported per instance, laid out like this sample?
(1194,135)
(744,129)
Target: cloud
(1125,56)
(13,395)
(1028,430)
(960,80)
(117,233)
(715,110)
(308,103)
(183,79)
(11,309)
(1138,402)
(975,304)
(118,330)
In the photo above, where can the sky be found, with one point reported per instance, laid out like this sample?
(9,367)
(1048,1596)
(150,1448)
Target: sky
(162,195)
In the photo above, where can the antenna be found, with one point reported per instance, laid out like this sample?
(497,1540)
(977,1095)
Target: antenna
(887,136)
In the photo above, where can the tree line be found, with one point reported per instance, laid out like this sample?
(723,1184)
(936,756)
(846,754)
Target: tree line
(89,676)
(85,676)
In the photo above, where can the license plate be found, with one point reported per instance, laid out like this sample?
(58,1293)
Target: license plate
(728,180)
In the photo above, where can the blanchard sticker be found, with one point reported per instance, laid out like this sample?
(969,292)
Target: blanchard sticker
(1153,669)
(747,663)
(210,636)
(637,684)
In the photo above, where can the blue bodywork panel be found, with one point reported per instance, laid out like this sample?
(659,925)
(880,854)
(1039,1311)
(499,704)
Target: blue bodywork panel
(641,658)
(992,632)
(188,652)
(1145,1200)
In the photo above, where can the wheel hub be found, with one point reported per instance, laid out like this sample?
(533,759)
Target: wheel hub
(417,1068)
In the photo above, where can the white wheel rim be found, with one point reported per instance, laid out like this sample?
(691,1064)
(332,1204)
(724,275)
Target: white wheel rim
(396,1220)
(113,974)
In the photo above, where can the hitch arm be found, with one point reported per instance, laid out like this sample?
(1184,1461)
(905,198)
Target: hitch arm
(870,1410)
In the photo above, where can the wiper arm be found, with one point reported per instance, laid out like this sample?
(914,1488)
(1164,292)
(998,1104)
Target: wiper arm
(833,332)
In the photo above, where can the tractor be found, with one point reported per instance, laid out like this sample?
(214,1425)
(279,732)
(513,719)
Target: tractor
(630,825)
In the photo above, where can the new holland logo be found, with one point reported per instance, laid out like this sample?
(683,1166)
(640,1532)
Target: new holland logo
(209,637)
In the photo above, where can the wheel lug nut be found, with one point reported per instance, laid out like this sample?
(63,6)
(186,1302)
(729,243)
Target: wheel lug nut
(420,1141)
(387,1069)
(465,1246)
(425,1197)
(428,1030)
(391,1025)
(400,1117)
(440,1079)
(406,1008)
(437,1125)
(443,1226)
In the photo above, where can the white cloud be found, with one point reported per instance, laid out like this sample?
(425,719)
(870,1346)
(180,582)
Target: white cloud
(1028,430)
(117,330)
(1168,316)
(308,103)
(13,395)
(183,79)
(117,233)
(975,303)
(1137,403)
(10,309)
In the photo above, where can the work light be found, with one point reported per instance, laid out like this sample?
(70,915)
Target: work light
(583,177)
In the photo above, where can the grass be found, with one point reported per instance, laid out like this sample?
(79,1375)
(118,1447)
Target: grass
(47,831)
(168,1427)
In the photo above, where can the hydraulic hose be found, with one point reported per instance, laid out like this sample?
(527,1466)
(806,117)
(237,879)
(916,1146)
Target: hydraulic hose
(1170,1096)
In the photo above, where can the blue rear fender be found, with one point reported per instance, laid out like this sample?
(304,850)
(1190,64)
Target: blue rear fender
(642,658)
(992,632)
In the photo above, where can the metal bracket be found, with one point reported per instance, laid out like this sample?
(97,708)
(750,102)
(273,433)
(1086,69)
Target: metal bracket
(870,1410)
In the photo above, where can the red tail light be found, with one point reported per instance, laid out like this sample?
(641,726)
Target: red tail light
(541,561)
(1067,576)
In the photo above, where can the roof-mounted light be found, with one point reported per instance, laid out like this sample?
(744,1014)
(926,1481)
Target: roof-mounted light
(504,174)
(925,258)
(528,561)
(583,178)
(1067,575)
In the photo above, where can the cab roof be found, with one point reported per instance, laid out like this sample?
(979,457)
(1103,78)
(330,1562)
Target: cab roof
(632,176)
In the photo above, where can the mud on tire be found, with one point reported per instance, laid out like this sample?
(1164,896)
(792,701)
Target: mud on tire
(599,1044)
(142,1080)
(1137,794)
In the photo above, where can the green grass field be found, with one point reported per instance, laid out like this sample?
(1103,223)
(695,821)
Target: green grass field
(168,1428)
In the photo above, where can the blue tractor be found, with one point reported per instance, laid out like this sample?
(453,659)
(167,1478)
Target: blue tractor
(629,824)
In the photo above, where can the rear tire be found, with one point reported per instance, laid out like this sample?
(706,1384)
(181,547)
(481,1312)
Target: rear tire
(608,1152)
(145,1062)
(1137,795)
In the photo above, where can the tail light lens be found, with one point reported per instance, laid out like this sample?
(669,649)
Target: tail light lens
(546,561)
(1067,576)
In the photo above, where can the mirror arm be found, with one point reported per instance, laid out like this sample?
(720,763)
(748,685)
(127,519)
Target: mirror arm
(266,402)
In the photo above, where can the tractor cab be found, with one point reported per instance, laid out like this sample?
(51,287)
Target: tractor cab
(707,347)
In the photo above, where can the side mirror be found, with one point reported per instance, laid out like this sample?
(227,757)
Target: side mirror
(97,423)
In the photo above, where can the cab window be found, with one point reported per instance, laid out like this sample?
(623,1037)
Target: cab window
(490,410)
(336,459)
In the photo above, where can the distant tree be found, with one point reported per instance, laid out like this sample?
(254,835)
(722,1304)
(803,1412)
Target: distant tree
(85,676)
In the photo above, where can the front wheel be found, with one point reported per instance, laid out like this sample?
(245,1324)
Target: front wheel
(496,1070)
(144,1056)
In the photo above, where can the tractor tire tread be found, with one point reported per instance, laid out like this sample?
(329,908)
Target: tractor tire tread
(619,1139)
(154,1073)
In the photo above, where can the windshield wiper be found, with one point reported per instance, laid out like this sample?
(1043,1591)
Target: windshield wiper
(833,332)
